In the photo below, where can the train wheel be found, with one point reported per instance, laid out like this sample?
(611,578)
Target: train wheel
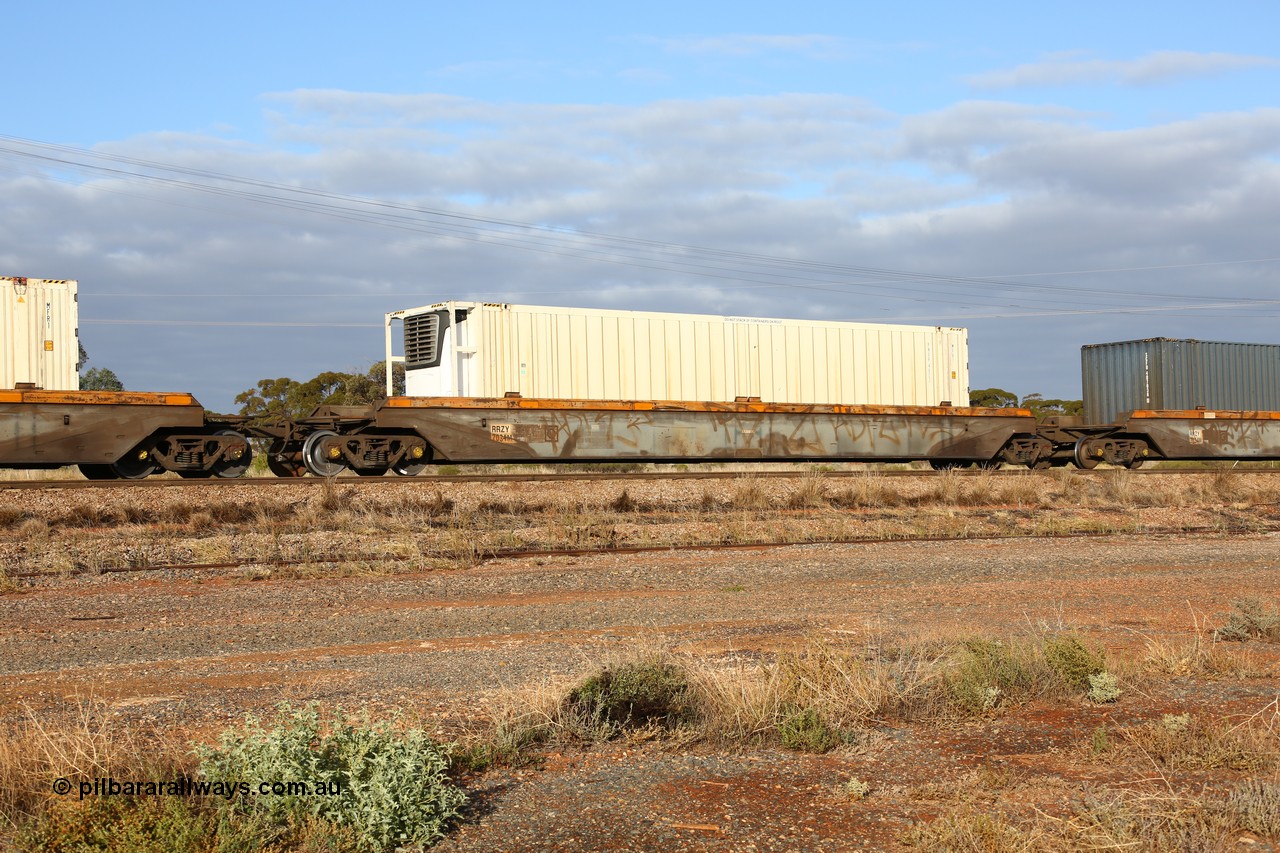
(137,464)
(230,467)
(1084,454)
(315,458)
(97,472)
(414,461)
(1135,462)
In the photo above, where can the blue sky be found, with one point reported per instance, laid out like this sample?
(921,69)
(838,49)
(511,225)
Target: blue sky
(992,168)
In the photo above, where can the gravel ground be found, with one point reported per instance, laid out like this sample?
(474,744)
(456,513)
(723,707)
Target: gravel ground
(220,644)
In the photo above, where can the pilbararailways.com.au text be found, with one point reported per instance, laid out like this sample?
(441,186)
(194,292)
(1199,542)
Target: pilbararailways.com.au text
(194,788)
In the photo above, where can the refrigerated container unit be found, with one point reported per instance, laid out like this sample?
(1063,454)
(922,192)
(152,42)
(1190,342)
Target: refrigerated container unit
(488,350)
(1173,374)
(38,324)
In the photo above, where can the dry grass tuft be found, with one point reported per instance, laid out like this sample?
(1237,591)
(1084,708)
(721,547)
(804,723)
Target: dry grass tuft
(869,491)
(1107,819)
(11,516)
(1255,803)
(91,742)
(750,494)
(967,830)
(812,699)
(811,493)
(1196,657)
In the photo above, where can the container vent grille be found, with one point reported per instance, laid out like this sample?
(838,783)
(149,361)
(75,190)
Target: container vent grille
(421,340)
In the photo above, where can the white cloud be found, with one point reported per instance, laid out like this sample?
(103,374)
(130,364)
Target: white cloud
(978,189)
(1153,69)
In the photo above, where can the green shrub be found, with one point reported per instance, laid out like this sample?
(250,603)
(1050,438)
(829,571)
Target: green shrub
(388,787)
(804,730)
(857,789)
(1100,741)
(986,673)
(124,824)
(630,694)
(1073,661)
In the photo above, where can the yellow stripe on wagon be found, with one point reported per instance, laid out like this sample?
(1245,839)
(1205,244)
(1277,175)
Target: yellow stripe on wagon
(740,406)
(1204,414)
(99,398)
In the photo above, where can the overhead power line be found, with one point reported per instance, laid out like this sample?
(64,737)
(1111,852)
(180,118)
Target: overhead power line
(743,269)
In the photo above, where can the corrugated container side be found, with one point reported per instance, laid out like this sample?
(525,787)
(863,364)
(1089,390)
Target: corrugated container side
(487,350)
(38,328)
(1167,373)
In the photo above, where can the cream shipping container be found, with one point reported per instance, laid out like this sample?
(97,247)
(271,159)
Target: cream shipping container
(38,322)
(483,349)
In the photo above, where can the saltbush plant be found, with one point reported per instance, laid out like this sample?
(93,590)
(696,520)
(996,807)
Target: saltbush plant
(1103,688)
(386,787)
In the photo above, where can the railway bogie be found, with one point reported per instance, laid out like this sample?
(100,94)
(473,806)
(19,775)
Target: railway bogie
(369,453)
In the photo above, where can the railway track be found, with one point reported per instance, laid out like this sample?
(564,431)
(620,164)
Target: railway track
(266,482)
(487,555)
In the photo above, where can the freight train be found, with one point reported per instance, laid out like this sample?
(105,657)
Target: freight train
(134,435)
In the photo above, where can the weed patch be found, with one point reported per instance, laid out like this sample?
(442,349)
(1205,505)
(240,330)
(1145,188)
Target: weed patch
(1186,742)
(138,825)
(1250,619)
(989,673)
(962,830)
(629,695)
